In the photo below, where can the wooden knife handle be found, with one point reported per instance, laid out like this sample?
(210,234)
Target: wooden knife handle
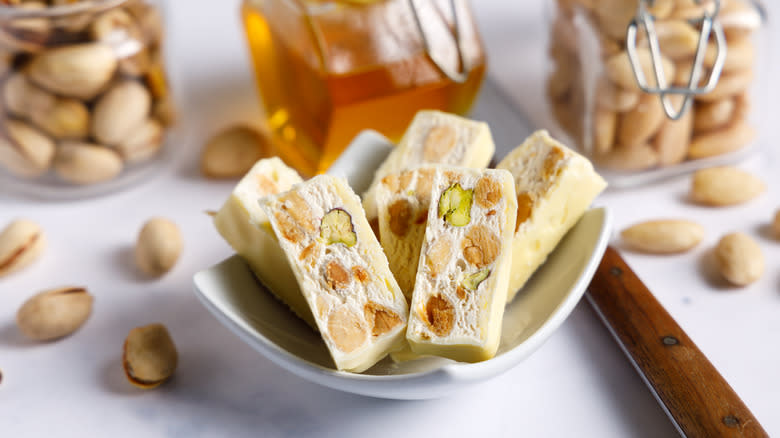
(695,396)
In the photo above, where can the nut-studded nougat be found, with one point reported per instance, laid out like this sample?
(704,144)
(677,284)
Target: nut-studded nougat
(554,186)
(438,138)
(402,200)
(341,269)
(463,272)
(245,227)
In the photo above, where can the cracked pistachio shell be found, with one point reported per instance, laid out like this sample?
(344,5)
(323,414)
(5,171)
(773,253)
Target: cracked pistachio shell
(54,313)
(66,119)
(143,143)
(149,356)
(25,151)
(79,70)
(86,163)
(123,108)
(21,243)
(22,98)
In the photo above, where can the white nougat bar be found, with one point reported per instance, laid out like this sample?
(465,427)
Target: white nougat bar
(245,227)
(463,272)
(402,200)
(435,137)
(342,272)
(555,186)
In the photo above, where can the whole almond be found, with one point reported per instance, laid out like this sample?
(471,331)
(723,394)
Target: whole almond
(612,97)
(713,115)
(629,158)
(604,127)
(120,111)
(729,85)
(663,236)
(21,243)
(149,356)
(673,138)
(720,186)
(233,151)
(733,137)
(86,163)
(158,246)
(641,123)
(619,68)
(739,55)
(54,313)
(79,71)
(739,259)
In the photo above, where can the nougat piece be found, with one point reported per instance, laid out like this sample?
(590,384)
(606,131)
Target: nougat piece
(463,272)
(245,227)
(402,200)
(555,186)
(342,272)
(435,137)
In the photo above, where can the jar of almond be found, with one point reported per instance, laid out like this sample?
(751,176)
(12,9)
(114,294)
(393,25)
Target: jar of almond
(84,97)
(654,88)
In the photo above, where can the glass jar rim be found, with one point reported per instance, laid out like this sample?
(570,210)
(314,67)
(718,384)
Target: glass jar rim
(12,12)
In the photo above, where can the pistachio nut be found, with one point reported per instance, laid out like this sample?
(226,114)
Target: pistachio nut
(86,163)
(472,281)
(79,70)
(143,143)
(337,227)
(123,108)
(149,356)
(72,23)
(158,246)
(455,205)
(137,64)
(25,151)
(54,313)
(233,151)
(66,119)
(27,34)
(22,98)
(6,62)
(21,243)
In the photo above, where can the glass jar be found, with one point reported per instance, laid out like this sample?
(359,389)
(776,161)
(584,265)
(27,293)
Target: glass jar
(654,88)
(85,99)
(329,69)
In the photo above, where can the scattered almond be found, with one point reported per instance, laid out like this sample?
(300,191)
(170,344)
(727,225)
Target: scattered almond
(480,246)
(739,259)
(720,186)
(663,236)
(440,315)
(381,318)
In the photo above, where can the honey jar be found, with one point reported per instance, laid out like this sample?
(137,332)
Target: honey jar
(329,69)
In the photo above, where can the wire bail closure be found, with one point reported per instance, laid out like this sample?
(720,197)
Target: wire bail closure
(458,77)
(709,26)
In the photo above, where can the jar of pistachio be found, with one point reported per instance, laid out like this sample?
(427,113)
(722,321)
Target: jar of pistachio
(84,98)
(653,88)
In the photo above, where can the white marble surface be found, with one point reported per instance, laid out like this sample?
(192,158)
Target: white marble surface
(577,384)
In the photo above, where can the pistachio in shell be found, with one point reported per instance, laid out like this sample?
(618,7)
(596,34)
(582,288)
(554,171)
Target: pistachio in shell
(149,356)
(55,313)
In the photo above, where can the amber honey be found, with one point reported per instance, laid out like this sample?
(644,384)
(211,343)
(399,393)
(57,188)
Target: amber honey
(316,102)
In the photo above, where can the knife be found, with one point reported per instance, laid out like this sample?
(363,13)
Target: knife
(693,394)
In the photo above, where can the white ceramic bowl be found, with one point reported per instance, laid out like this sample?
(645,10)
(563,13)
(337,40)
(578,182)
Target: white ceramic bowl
(239,301)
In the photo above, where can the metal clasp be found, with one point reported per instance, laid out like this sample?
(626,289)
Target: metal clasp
(455,76)
(709,25)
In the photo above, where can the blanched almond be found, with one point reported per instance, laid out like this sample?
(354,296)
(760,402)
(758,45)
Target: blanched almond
(673,138)
(729,139)
(729,84)
(629,158)
(619,68)
(641,123)
(739,259)
(663,236)
(719,186)
(713,115)
(346,329)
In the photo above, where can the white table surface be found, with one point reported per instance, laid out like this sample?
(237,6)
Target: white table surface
(578,384)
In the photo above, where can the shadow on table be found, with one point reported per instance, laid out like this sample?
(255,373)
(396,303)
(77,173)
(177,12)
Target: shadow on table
(632,402)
